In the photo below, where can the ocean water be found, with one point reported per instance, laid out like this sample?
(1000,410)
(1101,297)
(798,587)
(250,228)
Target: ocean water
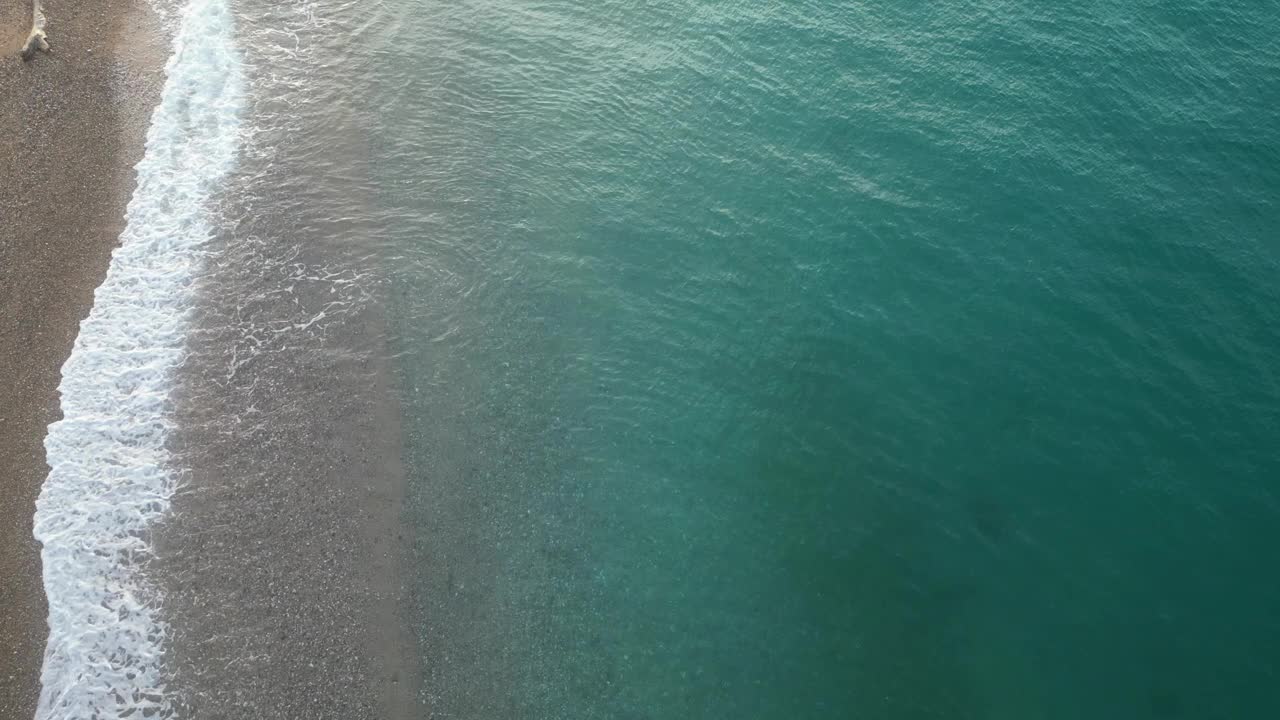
(769,360)
(813,359)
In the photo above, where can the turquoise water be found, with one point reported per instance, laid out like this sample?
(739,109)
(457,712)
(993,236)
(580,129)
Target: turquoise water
(812,359)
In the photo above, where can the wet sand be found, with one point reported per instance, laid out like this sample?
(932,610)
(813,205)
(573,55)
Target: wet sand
(72,125)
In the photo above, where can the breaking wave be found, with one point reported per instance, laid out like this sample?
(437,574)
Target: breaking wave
(109,479)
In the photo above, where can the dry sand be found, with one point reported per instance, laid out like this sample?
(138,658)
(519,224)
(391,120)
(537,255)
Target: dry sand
(72,125)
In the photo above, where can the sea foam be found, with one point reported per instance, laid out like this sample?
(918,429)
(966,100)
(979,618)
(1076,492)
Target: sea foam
(109,478)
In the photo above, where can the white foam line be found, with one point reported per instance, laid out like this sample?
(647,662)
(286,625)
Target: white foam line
(109,479)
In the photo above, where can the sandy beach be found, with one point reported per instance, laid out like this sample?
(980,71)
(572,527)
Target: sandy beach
(73,124)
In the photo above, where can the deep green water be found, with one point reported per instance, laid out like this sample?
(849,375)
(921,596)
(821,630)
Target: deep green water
(838,359)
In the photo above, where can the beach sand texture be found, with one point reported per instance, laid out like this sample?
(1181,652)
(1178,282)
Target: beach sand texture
(72,125)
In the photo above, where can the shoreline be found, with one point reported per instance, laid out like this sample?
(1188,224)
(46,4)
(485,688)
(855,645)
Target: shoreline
(75,121)
(322,615)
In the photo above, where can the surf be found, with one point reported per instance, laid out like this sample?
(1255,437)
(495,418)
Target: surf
(109,474)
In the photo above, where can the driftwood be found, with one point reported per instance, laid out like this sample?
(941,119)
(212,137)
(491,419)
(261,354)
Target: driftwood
(36,41)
